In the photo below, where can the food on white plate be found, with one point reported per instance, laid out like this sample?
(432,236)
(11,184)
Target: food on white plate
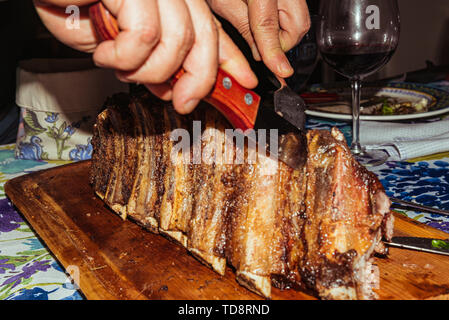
(391,106)
(314,228)
(377,105)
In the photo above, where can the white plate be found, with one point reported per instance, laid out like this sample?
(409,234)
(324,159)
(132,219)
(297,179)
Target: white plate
(438,102)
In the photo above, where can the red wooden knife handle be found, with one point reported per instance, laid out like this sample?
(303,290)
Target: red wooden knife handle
(238,104)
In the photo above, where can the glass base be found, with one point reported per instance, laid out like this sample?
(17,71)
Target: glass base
(371,157)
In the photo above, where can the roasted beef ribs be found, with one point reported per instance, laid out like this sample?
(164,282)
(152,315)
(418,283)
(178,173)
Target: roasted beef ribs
(347,214)
(314,228)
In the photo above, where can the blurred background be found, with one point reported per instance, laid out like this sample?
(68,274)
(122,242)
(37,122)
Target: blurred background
(424,36)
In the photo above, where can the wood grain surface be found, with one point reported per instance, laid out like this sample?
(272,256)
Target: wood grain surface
(118,259)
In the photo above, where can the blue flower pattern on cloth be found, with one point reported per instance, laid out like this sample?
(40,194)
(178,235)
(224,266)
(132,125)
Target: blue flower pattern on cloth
(51,117)
(69,130)
(82,152)
(30,150)
(424,182)
(52,136)
(32,294)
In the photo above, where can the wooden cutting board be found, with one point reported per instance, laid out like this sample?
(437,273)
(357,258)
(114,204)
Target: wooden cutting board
(118,259)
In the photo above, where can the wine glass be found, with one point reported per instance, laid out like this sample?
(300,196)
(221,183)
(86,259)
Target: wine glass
(356,38)
(303,58)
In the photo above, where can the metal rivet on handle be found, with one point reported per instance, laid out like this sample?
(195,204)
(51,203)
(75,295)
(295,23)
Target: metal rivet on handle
(227,83)
(248,98)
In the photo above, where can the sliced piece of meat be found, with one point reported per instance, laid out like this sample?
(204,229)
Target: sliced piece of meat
(345,210)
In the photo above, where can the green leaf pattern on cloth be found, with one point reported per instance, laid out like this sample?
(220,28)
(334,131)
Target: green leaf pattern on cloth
(54,136)
(27,269)
(31,124)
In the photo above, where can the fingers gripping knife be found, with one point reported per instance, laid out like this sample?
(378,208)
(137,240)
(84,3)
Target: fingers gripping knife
(243,108)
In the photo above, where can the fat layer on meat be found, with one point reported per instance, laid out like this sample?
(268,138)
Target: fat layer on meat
(314,228)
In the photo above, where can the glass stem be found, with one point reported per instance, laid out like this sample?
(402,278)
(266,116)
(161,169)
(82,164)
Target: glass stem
(356,148)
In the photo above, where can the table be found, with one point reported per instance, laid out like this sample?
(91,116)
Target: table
(28,270)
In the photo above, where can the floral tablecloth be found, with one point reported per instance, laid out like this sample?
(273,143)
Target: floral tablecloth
(29,271)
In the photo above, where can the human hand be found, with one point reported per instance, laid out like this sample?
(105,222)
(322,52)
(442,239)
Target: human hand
(271,27)
(156,38)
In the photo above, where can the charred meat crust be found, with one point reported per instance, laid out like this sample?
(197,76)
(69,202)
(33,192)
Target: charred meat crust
(314,228)
(346,210)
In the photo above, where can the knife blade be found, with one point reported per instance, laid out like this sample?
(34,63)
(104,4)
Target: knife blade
(243,108)
(416,206)
(431,245)
(278,95)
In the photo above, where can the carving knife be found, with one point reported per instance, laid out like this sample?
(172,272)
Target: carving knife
(430,245)
(244,109)
(417,207)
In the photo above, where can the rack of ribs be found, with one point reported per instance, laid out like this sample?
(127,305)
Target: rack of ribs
(315,228)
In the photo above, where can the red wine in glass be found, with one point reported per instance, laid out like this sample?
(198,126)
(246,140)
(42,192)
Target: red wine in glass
(357,38)
(354,61)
